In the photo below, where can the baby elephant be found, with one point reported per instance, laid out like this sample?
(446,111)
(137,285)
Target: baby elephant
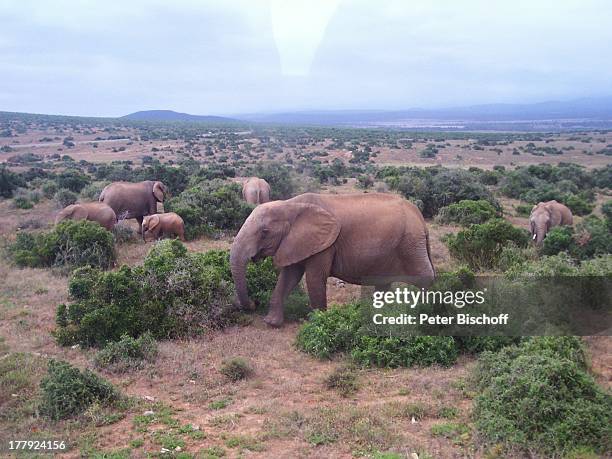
(546,215)
(158,225)
(93,211)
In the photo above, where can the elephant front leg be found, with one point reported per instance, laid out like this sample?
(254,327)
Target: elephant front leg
(139,220)
(316,283)
(288,278)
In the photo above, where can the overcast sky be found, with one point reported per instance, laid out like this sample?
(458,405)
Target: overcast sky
(113,57)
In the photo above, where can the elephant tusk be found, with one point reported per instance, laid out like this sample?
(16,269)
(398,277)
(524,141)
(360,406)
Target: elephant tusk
(534,237)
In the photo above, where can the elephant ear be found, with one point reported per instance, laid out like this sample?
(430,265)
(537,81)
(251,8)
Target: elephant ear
(158,191)
(311,231)
(153,222)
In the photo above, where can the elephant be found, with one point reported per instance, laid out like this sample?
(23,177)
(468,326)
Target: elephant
(366,239)
(168,224)
(256,191)
(546,215)
(92,211)
(134,200)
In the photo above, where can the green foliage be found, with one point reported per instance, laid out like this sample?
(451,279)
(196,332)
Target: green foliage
(236,369)
(329,332)
(174,293)
(73,180)
(538,397)
(467,213)
(590,238)
(64,197)
(68,391)
(21,202)
(210,207)
(480,246)
(69,244)
(523,210)
(578,205)
(278,176)
(92,191)
(437,187)
(9,182)
(405,351)
(127,354)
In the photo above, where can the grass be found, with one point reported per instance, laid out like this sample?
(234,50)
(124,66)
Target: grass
(343,380)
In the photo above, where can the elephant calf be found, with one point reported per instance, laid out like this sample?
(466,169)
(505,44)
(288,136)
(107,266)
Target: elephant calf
(546,215)
(256,191)
(158,225)
(93,211)
(366,239)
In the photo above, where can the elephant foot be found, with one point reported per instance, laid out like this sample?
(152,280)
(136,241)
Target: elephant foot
(273,321)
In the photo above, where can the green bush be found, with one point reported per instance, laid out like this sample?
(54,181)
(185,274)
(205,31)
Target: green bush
(9,182)
(578,205)
(22,202)
(537,397)
(590,238)
(127,354)
(523,210)
(467,213)
(92,191)
(437,187)
(69,244)
(73,180)
(174,293)
(236,369)
(64,197)
(405,352)
(49,188)
(480,246)
(68,391)
(210,207)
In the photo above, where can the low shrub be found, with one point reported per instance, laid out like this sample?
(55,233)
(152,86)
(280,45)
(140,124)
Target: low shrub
(210,208)
(64,197)
(69,244)
(9,182)
(578,205)
(523,210)
(127,354)
(467,213)
(92,191)
(123,232)
(343,379)
(68,391)
(236,369)
(537,397)
(174,293)
(480,246)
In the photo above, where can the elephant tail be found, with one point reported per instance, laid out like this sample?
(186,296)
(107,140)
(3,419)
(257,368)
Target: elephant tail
(101,198)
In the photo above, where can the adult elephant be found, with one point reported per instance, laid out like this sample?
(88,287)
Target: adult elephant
(93,211)
(134,200)
(256,191)
(546,215)
(367,239)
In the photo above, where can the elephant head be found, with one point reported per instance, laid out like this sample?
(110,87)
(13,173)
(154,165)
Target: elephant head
(74,212)
(289,232)
(159,191)
(539,222)
(149,223)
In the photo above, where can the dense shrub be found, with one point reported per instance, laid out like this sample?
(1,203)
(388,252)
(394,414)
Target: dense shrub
(127,354)
(64,198)
(9,182)
(92,191)
(49,188)
(438,187)
(467,213)
(175,178)
(174,293)
(537,397)
(480,246)
(578,204)
(73,180)
(68,391)
(69,244)
(590,238)
(210,207)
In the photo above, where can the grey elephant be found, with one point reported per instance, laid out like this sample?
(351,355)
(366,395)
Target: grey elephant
(92,211)
(546,215)
(256,191)
(158,225)
(367,239)
(134,200)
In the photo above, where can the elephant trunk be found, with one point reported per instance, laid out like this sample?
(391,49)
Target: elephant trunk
(540,233)
(239,258)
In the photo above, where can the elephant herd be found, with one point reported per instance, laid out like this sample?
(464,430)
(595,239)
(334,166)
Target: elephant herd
(365,239)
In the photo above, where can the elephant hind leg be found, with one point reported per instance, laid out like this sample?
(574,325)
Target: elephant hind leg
(417,265)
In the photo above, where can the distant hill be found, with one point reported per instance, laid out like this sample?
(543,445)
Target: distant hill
(588,108)
(170,115)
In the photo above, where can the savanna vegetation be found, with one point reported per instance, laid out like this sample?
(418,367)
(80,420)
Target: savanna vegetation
(126,349)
